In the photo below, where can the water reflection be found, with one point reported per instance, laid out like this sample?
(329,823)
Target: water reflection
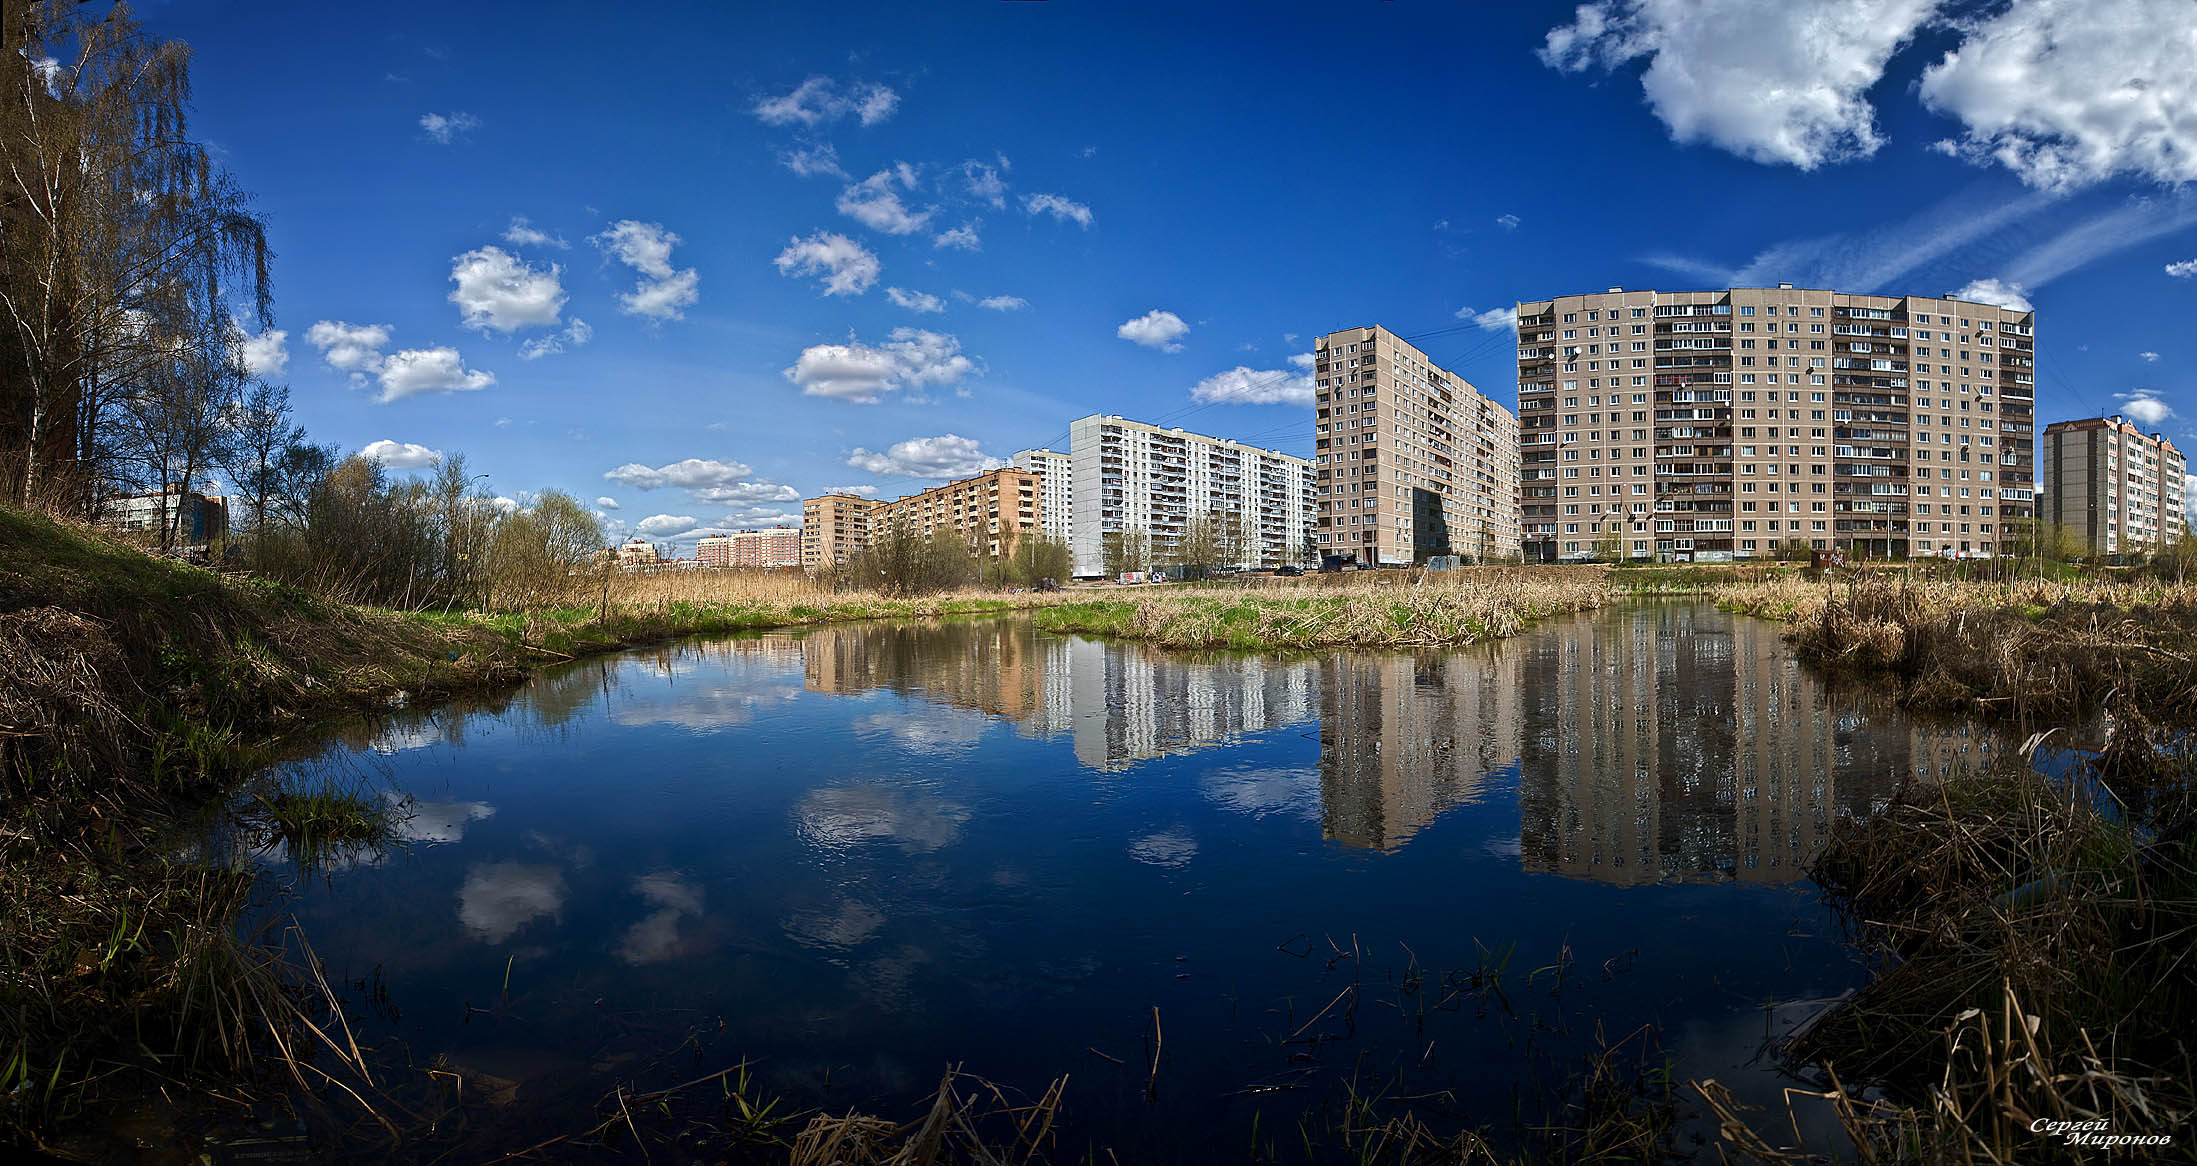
(872,849)
(499,898)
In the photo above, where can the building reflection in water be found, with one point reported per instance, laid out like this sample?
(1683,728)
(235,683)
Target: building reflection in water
(1121,703)
(1646,743)
(1405,737)
(1680,743)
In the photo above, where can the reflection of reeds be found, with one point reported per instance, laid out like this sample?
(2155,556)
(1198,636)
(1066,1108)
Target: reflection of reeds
(1437,612)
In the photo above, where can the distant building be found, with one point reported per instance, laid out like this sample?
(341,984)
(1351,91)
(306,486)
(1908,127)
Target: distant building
(638,552)
(1131,475)
(992,510)
(1720,424)
(777,547)
(1056,509)
(195,517)
(1414,462)
(2112,485)
(833,528)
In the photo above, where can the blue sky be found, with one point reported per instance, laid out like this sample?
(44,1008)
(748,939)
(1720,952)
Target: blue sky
(705,260)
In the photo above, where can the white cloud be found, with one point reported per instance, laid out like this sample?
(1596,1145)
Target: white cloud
(984,182)
(1508,222)
(847,268)
(961,238)
(646,248)
(2189,497)
(523,233)
(749,494)
(810,161)
(445,128)
(861,373)
(608,503)
(857,491)
(1783,83)
(429,370)
(352,348)
(948,455)
(2000,293)
(1003,303)
(498,291)
(2066,93)
(2149,357)
(1065,210)
(692,473)
(577,333)
(401,455)
(1155,329)
(2183,270)
(267,354)
(1492,320)
(820,99)
(915,301)
(2144,407)
(666,525)
(1242,386)
(875,204)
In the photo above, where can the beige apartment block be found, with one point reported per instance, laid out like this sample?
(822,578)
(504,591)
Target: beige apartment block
(992,510)
(834,527)
(2117,488)
(1412,460)
(1717,425)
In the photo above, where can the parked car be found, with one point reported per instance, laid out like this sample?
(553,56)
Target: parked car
(1290,570)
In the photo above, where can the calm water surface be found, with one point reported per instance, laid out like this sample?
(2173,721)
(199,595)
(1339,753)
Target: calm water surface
(860,853)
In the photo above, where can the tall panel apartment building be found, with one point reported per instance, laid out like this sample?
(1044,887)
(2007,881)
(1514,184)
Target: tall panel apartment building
(1128,474)
(1413,460)
(1722,424)
(1056,489)
(2113,486)
(834,527)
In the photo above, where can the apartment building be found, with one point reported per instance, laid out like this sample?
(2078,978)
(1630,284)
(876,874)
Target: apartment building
(2114,486)
(834,527)
(1714,425)
(779,546)
(992,509)
(1413,461)
(1131,475)
(1056,489)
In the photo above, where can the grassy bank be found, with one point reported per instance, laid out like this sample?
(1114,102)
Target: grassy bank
(1438,611)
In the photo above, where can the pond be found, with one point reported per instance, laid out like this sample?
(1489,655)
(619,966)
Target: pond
(857,854)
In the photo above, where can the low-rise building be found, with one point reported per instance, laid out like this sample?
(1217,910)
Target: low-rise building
(194,517)
(638,553)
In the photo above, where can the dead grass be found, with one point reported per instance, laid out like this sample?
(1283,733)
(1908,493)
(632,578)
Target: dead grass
(1434,611)
(2029,650)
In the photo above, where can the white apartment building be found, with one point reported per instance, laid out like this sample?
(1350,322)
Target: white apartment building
(1056,489)
(1130,475)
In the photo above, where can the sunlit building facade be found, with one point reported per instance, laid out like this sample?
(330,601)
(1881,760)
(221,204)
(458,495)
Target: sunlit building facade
(1718,425)
(2115,487)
